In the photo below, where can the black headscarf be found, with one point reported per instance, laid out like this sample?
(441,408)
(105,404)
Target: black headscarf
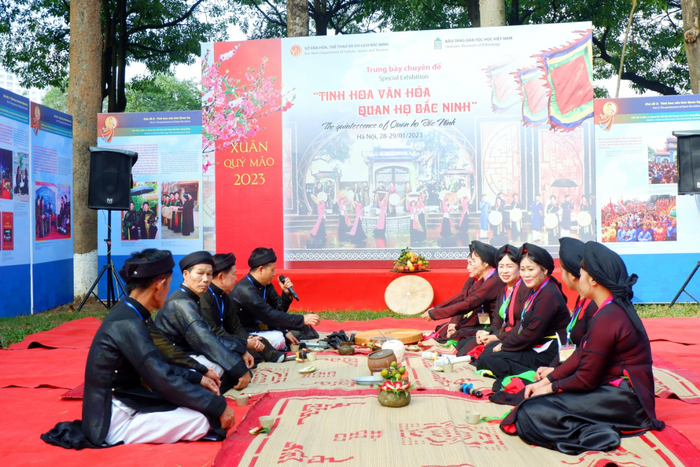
(137,268)
(607,268)
(486,252)
(193,259)
(267,257)
(571,254)
(539,255)
(223,262)
(512,252)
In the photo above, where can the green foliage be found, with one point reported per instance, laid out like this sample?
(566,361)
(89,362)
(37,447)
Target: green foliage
(56,98)
(35,34)
(655,58)
(162,93)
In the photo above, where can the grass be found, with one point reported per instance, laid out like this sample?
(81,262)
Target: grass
(15,329)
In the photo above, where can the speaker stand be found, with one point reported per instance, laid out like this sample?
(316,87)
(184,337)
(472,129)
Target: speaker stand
(111,275)
(684,286)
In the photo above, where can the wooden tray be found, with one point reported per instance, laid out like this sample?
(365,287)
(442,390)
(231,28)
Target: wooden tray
(407,336)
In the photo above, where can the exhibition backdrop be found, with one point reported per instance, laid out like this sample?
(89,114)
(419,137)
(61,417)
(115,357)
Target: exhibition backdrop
(36,170)
(340,151)
(167,191)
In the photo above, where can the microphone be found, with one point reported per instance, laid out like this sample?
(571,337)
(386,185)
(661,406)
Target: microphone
(291,289)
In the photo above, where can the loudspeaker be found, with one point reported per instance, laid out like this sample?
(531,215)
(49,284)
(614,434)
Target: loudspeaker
(688,162)
(110,178)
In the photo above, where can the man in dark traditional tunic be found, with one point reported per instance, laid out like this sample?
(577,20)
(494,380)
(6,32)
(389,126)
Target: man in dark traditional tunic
(605,390)
(182,323)
(147,222)
(217,309)
(131,394)
(130,227)
(261,310)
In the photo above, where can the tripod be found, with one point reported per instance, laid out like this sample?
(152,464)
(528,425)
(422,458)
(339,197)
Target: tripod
(684,286)
(111,274)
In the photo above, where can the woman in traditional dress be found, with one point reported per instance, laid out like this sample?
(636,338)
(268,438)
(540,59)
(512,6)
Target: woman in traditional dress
(474,311)
(543,317)
(423,234)
(464,219)
(447,224)
(344,203)
(536,211)
(553,209)
(382,201)
(515,226)
(485,208)
(187,215)
(570,256)
(357,233)
(508,304)
(318,233)
(605,390)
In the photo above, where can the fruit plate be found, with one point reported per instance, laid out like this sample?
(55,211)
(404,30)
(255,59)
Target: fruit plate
(409,272)
(307,370)
(369,380)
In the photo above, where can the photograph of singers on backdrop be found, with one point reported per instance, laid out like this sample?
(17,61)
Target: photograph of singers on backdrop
(6,178)
(20,176)
(52,210)
(390,157)
(180,202)
(140,222)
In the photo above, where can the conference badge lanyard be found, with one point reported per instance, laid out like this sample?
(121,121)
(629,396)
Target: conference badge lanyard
(567,350)
(220,306)
(484,317)
(528,304)
(137,311)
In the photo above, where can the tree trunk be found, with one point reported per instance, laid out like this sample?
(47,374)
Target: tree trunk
(473,12)
(297,18)
(691,11)
(492,13)
(121,58)
(84,103)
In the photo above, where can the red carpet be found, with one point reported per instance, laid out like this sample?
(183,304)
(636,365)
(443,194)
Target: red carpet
(33,368)
(26,412)
(71,335)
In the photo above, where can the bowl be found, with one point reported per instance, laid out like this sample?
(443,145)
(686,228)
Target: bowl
(241,399)
(380,359)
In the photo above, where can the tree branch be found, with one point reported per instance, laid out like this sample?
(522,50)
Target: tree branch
(174,22)
(652,85)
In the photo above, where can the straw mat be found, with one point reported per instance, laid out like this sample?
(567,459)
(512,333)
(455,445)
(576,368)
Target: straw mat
(353,429)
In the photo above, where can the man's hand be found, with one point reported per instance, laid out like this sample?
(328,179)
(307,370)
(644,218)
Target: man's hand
(210,384)
(290,337)
(542,372)
(248,360)
(426,316)
(497,348)
(228,418)
(213,375)
(243,381)
(255,343)
(286,285)
(311,319)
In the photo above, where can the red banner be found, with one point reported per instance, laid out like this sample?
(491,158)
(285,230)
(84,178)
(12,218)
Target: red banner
(249,157)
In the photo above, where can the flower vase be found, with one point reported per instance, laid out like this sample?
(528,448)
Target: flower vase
(393,399)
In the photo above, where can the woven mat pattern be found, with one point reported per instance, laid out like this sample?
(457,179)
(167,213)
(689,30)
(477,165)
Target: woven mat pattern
(353,429)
